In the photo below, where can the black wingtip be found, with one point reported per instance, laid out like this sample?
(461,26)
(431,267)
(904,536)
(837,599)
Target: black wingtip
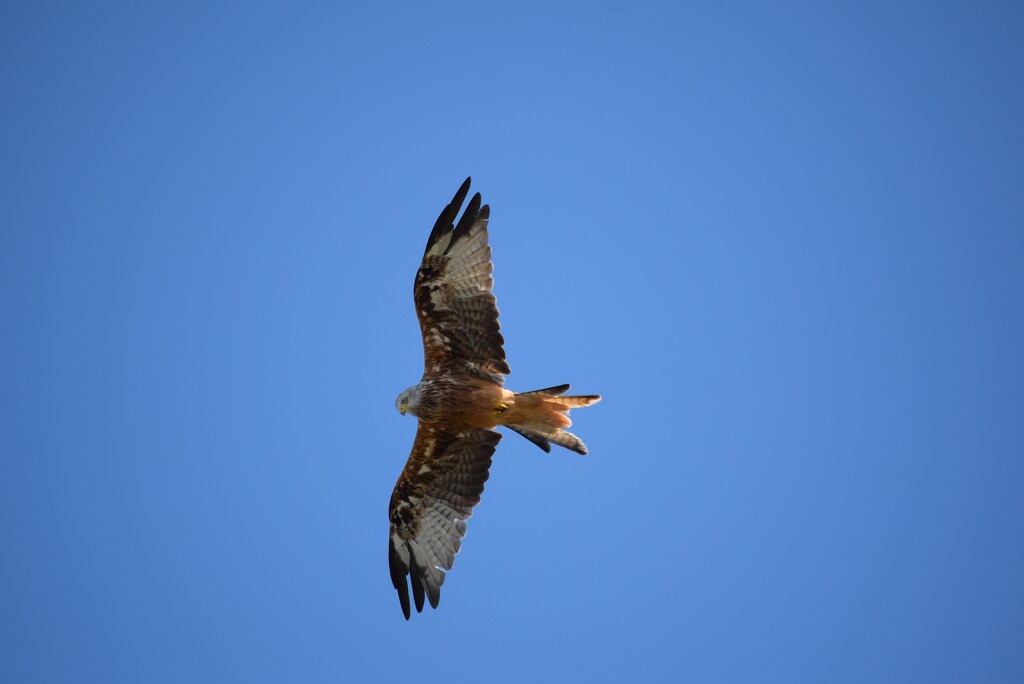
(399,570)
(446,219)
(403,598)
(460,196)
(468,216)
(417,590)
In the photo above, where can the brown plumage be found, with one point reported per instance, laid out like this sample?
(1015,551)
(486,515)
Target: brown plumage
(459,402)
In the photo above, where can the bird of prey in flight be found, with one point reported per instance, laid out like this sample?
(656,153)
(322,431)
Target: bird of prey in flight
(459,401)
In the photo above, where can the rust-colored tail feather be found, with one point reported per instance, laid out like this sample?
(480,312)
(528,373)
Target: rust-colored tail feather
(541,415)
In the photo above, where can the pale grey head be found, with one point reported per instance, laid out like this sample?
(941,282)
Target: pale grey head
(409,400)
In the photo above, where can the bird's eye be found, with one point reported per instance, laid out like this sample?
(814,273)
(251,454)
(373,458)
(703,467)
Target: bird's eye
(405,400)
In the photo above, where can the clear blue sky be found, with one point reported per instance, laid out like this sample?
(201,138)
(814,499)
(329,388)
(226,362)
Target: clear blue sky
(785,242)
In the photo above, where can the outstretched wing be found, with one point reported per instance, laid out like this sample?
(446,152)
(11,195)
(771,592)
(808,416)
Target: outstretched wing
(434,496)
(457,310)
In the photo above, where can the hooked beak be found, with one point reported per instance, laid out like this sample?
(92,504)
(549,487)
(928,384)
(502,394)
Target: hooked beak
(401,409)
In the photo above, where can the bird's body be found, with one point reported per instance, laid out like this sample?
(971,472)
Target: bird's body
(459,401)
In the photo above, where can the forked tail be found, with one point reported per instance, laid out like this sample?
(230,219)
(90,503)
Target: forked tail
(541,416)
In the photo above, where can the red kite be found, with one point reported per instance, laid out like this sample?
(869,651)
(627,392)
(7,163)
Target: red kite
(459,401)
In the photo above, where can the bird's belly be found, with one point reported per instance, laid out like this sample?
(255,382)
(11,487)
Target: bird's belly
(463,403)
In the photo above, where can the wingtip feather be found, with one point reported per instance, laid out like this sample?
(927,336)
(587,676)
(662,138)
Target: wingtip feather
(417,591)
(446,219)
(469,217)
(399,566)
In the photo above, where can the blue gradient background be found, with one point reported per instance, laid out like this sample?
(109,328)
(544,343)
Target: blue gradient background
(785,241)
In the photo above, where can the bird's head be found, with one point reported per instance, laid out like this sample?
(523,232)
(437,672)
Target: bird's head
(408,400)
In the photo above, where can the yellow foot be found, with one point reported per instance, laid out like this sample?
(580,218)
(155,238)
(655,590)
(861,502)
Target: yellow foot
(500,408)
